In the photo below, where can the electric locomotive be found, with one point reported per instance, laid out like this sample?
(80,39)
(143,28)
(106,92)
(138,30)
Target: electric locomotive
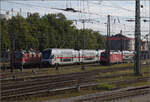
(27,58)
(111,57)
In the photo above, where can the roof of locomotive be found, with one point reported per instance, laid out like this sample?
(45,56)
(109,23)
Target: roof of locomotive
(60,49)
(113,52)
(27,52)
(57,50)
(128,51)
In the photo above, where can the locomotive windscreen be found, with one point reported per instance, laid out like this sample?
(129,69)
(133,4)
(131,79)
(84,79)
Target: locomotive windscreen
(18,55)
(46,54)
(104,55)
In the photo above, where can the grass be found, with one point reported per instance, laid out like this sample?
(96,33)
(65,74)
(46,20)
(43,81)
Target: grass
(105,86)
(116,73)
(121,77)
(136,84)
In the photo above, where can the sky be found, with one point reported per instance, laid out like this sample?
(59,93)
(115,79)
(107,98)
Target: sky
(95,13)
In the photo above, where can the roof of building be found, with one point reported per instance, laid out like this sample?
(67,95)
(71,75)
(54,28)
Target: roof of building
(119,37)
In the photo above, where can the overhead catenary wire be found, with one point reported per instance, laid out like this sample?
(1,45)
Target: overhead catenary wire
(33,5)
(81,4)
(118,7)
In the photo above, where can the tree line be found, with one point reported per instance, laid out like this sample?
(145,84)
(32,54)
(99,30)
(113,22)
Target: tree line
(48,31)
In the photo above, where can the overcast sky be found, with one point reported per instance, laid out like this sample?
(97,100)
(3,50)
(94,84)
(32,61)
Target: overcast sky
(96,12)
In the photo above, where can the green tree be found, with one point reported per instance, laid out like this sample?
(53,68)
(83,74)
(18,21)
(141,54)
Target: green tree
(48,31)
(5,42)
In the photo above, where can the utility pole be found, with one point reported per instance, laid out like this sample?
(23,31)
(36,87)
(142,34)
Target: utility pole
(12,39)
(83,68)
(77,41)
(108,35)
(137,64)
(149,34)
(122,44)
(121,40)
(83,34)
(12,52)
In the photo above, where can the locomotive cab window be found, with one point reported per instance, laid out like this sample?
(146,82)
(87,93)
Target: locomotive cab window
(18,55)
(46,54)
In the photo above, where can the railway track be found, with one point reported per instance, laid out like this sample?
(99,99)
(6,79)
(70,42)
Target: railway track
(37,71)
(9,74)
(50,84)
(38,88)
(45,77)
(117,94)
(59,79)
(13,91)
(41,71)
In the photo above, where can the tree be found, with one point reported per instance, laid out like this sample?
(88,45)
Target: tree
(48,31)
(5,42)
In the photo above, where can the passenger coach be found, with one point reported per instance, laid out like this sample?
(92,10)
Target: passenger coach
(69,56)
(59,56)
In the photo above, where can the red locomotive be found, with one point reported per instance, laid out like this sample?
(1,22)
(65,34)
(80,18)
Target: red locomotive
(24,58)
(111,57)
